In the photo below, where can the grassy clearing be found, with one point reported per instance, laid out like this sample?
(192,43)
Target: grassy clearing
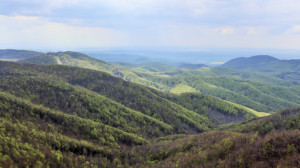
(182,88)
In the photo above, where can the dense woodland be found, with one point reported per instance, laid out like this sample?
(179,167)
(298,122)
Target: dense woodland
(65,116)
(261,92)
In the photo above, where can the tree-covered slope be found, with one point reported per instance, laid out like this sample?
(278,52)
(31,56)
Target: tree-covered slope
(148,66)
(192,66)
(36,136)
(257,95)
(287,119)
(271,141)
(85,104)
(17,54)
(63,116)
(83,61)
(225,72)
(42,59)
(151,102)
(244,63)
(264,95)
(253,90)
(283,69)
(222,149)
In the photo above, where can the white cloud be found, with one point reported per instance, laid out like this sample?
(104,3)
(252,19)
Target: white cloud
(227,30)
(294,29)
(232,23)
(251,31)
(39,32)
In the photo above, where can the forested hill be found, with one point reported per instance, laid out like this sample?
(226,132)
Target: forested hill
(11,54)
(268,142)
(284,69)
(192,66)
(68,57)
(71,58)
(260,92)
(287,119)
(187,111)
(64,116)
(244,63)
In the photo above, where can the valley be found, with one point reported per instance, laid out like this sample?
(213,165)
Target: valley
(67,109)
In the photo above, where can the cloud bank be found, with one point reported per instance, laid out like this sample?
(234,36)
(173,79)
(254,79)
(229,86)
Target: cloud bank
(115,23)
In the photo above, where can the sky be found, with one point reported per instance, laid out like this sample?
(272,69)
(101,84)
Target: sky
(73,24)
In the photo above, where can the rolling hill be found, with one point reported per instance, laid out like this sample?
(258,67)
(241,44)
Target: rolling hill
(253,90)
(283,69)
(287,119)
(148,66)
(222,149)
(11,54)
(133,96)
(244,63)
(192,66)
(65,116)
(271,141)
(83,61)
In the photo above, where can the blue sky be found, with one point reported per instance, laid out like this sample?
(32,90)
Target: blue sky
(71,24)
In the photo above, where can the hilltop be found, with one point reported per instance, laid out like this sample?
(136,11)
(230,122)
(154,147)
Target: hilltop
(244,63)
(283,69)
(17,54)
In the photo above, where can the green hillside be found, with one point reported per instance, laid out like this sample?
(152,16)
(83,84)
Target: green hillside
(83,61)
(148,66)
(42,59)
(222,149)
(225,72)
(283,69)
(183,88)
(243,63)
(287,119)
(258,95)
(253,90)
(65,116)
(192,66)
(10,54)
(36,136)
(73,82)
(271,141)
(46,90)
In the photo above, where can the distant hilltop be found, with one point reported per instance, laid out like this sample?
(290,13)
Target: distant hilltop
(284,69)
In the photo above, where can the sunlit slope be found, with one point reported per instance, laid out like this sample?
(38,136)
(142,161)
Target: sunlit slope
(83,61)
(287,119)
(65,116)
(151,102)
(222,149)
(255,94)
(255,91)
